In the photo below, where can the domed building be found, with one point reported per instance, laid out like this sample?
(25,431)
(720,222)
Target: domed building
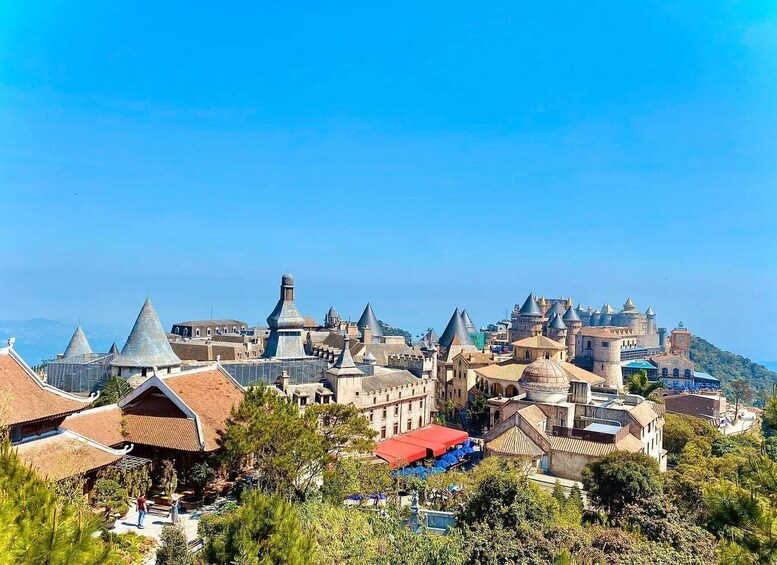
(545,381)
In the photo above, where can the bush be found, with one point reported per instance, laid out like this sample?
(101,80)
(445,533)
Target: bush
(112,495)
(173,548)
(201,476)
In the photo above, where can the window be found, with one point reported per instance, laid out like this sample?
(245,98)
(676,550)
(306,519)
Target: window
(197,332)
(421,405)
(664,372)
(400,394)
(602,366)
(143,372)
(675,372)
(384,413)
(420,421)
(372,416)
(208,331)
(374,399)
(547,355)
(526,354)
(396,428)
(605,344)
(396,410)
(383,432)
(409,425)
(169,370)
(119,371)
(588,345)
(687,373)
(387,398)
(186,331)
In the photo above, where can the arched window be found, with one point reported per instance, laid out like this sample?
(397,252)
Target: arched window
(675,372)
(664,372)
(547,355)
(527,355)
(197,332)
(588,345)
(186,332)
(208,331)
(687,373)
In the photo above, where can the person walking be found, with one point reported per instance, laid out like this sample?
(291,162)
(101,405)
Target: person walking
(175,509)
(142,510)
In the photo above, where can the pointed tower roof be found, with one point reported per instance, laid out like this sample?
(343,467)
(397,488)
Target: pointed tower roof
(629,304)
(369,319)
(557,308)
(530,307)
(332,312)
(649,312)
(571,315)
(468,322)
(607,309)
(114,350)
(344,365)
(78,345)
(569,302)
(556,322)
(431,336)
(455,332)
(147,344)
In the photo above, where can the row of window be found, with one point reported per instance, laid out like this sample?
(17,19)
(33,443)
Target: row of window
(396,410)
(208,331)
(388,396)
(407,429)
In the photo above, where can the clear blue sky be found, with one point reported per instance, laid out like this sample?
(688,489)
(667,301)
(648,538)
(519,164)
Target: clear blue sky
(421,156)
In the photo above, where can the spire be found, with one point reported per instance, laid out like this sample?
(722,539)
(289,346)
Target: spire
(571,315)
(344,365)
(78,345)
(569,302)
(369,319)
(557,308)
(455,332)
(285,321)
(468,323)
(530,307)
(649,312)
(556,323)
(607,309)
(431,336)
(147,344)
(628,305)
(114,350)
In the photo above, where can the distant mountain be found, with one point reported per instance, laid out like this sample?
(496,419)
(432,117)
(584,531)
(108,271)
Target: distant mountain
(728,367)
(39,339)
(391,330)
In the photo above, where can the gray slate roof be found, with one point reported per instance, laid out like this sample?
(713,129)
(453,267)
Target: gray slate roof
(147,344)
(78,344)
(557,323)
(368,319)
(571,315)
(114,350)
(390,380)
(649,312)
(557,308)
(468,323)
(455,331)
(530,307)
(344,365)
(286,343)
(431,336)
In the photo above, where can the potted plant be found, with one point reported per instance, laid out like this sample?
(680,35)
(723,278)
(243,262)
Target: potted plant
(201,476)
(113,497)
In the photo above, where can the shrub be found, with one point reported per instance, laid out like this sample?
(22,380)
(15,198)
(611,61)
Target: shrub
(112,495)
(173,549)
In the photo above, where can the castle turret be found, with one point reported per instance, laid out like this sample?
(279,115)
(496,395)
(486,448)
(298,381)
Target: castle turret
(286,323)
(370,320)
(557,329)
(596,318)
(651,319)
(528,322)
(332,319)
(606,317)
(78,345)
(574,325)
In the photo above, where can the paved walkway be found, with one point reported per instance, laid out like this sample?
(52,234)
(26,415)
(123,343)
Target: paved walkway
(154,524)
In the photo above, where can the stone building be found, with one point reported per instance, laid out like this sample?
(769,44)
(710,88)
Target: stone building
(208,328)
(454,340)
(599,349)
(146,350)
(464,377)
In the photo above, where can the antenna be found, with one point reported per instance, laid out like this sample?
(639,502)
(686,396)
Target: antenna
(211,312)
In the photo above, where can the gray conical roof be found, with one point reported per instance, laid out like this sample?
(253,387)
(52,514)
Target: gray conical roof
(344,365)
(431,336)
(607,309)
(649,312)
(530,307)
(571,315)
(369,319)
(557,308)
(468,323)
(455,332)
(78,345)
(557,323)
(629,304)
(114,349)
(147,344)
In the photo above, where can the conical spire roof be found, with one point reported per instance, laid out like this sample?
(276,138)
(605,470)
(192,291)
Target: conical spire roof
(569,302)
(344,365)
(557,308)
(147,344)
(556,322)
(431,336)
(607,309)
(78,345)
(114,350)
(369,319)
(455,332)
(571,315)
(629,304)
(649,312)
(468,322)
(530,307)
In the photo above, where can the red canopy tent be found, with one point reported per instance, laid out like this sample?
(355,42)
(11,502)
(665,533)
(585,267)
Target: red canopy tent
(439,434)
(398,453)
(430,441)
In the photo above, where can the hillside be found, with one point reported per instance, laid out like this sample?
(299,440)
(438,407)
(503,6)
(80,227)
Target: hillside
(391,330)
(728,366)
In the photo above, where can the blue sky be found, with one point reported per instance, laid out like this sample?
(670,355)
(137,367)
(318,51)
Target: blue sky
(419,157)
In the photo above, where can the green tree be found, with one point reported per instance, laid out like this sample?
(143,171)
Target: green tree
(639,384)
(39,527)
(478,413)
(621,478)
(173,548)
(743,393)
(113,390)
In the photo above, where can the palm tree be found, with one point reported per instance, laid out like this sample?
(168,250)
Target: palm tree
(639,384)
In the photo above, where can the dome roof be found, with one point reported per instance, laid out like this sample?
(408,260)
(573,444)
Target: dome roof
(544,375)
(332,312)
(287,280)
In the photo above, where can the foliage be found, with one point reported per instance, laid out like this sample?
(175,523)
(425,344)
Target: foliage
(348,476)
(173,548)
(40,527)
(112,390)
(264,530)
(167,477)
(388,329)
(291,449)
(201,476)
(742,392)
(728,367)
(478,413)
(112,496)
(621,478)
(680,429)
(137,480)
(127,549)
(639,384)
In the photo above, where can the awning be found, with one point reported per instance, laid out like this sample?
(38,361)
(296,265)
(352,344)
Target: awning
(439,434)
(430,441)
(397,453)
(435,448)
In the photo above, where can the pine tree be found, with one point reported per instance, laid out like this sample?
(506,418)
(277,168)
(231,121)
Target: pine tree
(173,549)
(558,493)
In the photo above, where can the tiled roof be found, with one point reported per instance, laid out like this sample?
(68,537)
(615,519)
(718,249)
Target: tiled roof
(380,351)
(155,420)
(30,399)
(476,357)
(64,455)
(586,447)
(538,342)
(102,425)
(509,371)
(579,374)
(388,380)
(211,395)
(533,415)
(515,442)
(643,413)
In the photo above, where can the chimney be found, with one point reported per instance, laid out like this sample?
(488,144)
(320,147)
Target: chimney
(367,334)
(283,380)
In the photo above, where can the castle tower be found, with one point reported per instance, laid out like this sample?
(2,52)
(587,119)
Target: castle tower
(606,317)
(557,329)
(468,323)
(528,323)
(344,377)
(651,319)
(455,332)
(596,317)
(78,345)
(680,341)
(574,325)
(332,319)
(285,321)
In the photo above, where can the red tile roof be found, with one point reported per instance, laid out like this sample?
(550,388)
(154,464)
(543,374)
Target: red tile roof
(103,425)
(28,398)
(64,455)
(155,420)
